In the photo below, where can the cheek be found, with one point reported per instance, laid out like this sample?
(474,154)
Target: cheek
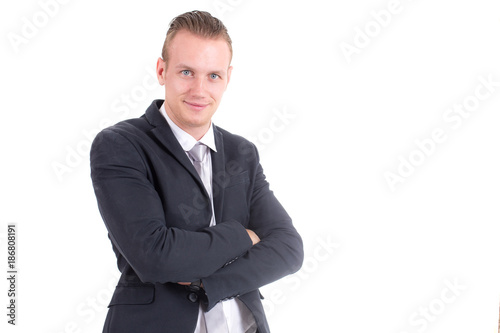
(175,93)
(218,91)
(175,87)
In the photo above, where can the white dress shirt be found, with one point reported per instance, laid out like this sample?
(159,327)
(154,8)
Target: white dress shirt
(230,316)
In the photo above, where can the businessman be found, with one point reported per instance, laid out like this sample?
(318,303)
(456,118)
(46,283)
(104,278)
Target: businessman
(192,221)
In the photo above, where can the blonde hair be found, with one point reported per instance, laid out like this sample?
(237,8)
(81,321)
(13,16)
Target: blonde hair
(199,23)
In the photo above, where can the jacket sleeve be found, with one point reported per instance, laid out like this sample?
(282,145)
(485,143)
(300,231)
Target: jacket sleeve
(134,216)
(279,253)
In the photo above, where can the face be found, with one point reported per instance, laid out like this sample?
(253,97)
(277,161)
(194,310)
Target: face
(195,78)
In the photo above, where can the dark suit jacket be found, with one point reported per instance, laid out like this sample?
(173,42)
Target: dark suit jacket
(157,212)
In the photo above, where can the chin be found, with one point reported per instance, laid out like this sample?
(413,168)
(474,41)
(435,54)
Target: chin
(199,124)
(200,120)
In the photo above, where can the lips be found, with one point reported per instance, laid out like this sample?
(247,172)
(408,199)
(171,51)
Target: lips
(196,106)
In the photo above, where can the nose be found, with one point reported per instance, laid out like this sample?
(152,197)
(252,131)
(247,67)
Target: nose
(198,87)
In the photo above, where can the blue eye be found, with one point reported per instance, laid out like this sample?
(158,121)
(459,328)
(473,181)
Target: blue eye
(186,72)
(214,76)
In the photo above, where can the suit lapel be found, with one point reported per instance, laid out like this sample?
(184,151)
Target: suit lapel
(218,174)
(166,137)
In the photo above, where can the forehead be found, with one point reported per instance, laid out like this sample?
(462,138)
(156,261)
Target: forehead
(197,51)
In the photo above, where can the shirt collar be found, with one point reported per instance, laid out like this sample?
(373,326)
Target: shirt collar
(185,139)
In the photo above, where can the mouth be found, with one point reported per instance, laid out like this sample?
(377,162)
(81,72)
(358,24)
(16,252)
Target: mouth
(196,106)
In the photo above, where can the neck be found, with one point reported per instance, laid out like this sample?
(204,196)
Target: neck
(196,133)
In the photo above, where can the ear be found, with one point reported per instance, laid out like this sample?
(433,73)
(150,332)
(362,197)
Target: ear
(161,67)
(229,71)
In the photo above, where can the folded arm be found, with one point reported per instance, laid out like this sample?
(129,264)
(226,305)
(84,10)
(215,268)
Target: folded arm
(134,216)
(279,252)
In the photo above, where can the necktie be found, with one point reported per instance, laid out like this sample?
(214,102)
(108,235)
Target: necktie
(199,155)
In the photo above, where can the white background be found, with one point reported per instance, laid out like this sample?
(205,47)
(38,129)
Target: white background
(389,254)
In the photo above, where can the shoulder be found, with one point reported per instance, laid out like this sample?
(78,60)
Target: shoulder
(121,138)
(230,137)
(137,127)
(236,146)
(129,127)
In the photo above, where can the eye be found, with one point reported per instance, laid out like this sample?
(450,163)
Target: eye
(186,72)
(214,76)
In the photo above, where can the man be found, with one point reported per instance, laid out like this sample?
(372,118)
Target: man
(193,223)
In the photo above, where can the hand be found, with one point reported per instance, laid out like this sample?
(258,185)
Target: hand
(188,284)
(253,236)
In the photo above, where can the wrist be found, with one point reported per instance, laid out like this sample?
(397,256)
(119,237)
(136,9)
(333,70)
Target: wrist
(196,291)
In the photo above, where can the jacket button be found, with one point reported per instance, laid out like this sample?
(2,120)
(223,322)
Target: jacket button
(193,297)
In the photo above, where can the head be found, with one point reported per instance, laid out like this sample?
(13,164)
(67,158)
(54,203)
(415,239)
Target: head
(195,69)
(199,23)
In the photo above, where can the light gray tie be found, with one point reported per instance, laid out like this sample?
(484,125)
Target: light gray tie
(198,154)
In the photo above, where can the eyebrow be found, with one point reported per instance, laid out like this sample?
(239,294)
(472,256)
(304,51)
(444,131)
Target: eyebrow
(181,65)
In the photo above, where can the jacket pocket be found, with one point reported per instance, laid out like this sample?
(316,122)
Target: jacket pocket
(129,295)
